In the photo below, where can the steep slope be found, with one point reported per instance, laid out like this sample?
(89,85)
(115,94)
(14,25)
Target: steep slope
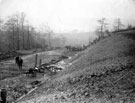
(106,53)
(104,73)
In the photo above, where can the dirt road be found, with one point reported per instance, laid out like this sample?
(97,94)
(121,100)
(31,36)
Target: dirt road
(19,84)
(9,68)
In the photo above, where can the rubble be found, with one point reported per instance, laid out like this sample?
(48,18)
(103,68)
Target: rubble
(53,66)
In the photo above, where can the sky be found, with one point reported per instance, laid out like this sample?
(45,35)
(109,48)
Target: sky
(69,15)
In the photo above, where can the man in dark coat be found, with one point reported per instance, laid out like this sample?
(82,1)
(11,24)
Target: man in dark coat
(19,62)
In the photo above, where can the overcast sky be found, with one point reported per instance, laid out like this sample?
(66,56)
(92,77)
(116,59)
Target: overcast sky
(68,15)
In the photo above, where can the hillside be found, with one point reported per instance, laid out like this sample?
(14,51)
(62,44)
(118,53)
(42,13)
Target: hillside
(78,38)
(104,73)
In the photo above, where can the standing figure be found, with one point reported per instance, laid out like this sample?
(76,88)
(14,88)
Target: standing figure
(19,62)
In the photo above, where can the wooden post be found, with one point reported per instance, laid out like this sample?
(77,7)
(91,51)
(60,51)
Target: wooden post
(40,62)
(3,95)
(36,56)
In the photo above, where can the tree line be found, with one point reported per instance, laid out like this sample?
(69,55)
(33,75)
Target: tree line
(16,33)
(103,31)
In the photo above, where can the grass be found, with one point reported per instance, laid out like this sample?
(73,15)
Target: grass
(114,50)
(106,70)
(114,85)
(102,73)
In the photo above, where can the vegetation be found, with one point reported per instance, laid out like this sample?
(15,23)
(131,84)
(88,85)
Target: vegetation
(16,33)
(104,73)
(103,70)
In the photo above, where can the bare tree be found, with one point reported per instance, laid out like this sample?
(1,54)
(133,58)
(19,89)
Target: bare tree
(33,32)
(15,17)
(17,34)
(118,24)
(28,36)
(1,23)
(11,26)
(102,28)
(22,27)
(49,31)
(15,21)
(102,24)
(129,26)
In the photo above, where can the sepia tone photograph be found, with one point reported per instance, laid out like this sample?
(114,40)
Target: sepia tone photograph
(67,51)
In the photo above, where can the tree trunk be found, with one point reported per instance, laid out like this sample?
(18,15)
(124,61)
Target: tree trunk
(28,40)
(13,39)
(23,38)
(18,43)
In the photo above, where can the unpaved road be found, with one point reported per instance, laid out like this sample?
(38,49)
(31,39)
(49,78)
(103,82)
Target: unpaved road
(22,80)
(9,68)
(29,59)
